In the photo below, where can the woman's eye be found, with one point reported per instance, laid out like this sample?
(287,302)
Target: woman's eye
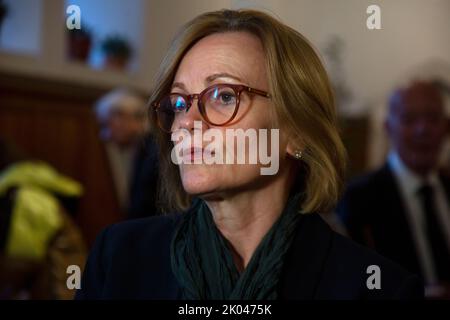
(178,103)
(221,97)
(227,98)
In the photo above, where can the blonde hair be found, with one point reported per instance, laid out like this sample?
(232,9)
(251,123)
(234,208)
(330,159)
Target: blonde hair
(301,94)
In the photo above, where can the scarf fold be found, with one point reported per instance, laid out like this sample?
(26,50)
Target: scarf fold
(203,265)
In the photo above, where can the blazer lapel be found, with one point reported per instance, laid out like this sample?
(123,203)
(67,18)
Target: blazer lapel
(445,180)
(394,237)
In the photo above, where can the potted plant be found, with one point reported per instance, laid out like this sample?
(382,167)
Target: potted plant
(80,42)
(116,51)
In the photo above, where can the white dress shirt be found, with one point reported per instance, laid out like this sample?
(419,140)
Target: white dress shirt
(409,184)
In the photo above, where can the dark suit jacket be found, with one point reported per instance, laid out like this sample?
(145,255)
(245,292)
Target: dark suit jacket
(374,214)
(131,260)
(144,182)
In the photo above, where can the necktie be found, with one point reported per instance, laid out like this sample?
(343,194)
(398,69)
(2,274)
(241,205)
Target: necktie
(435,234)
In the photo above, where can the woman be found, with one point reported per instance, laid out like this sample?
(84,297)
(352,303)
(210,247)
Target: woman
(246,235)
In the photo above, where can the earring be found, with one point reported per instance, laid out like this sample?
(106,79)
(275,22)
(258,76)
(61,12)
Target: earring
(298,154)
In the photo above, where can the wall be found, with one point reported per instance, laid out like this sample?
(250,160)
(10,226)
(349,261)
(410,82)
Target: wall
(413,32)
(25,36)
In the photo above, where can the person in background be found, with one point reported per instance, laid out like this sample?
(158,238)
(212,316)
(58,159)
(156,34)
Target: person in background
(121,115)
(38,238)
(403,209)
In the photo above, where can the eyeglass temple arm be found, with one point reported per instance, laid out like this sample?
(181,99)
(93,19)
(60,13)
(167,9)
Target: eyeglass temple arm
(260,92)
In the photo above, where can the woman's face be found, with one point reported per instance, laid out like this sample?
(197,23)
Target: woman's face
(225,58)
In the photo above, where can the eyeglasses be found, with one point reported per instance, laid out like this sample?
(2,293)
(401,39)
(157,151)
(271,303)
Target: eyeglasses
(218,104)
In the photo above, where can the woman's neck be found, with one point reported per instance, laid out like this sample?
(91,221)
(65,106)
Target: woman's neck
(246,217)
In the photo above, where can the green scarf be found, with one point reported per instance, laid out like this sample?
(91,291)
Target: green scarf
(204,267)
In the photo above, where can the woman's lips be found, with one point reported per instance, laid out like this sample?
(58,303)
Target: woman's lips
(189,155)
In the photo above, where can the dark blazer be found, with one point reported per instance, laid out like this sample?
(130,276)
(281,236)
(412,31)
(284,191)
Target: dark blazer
(131,260)
(144,180)
(374,213)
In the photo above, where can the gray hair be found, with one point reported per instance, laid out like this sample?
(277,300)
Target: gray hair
(119,99)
